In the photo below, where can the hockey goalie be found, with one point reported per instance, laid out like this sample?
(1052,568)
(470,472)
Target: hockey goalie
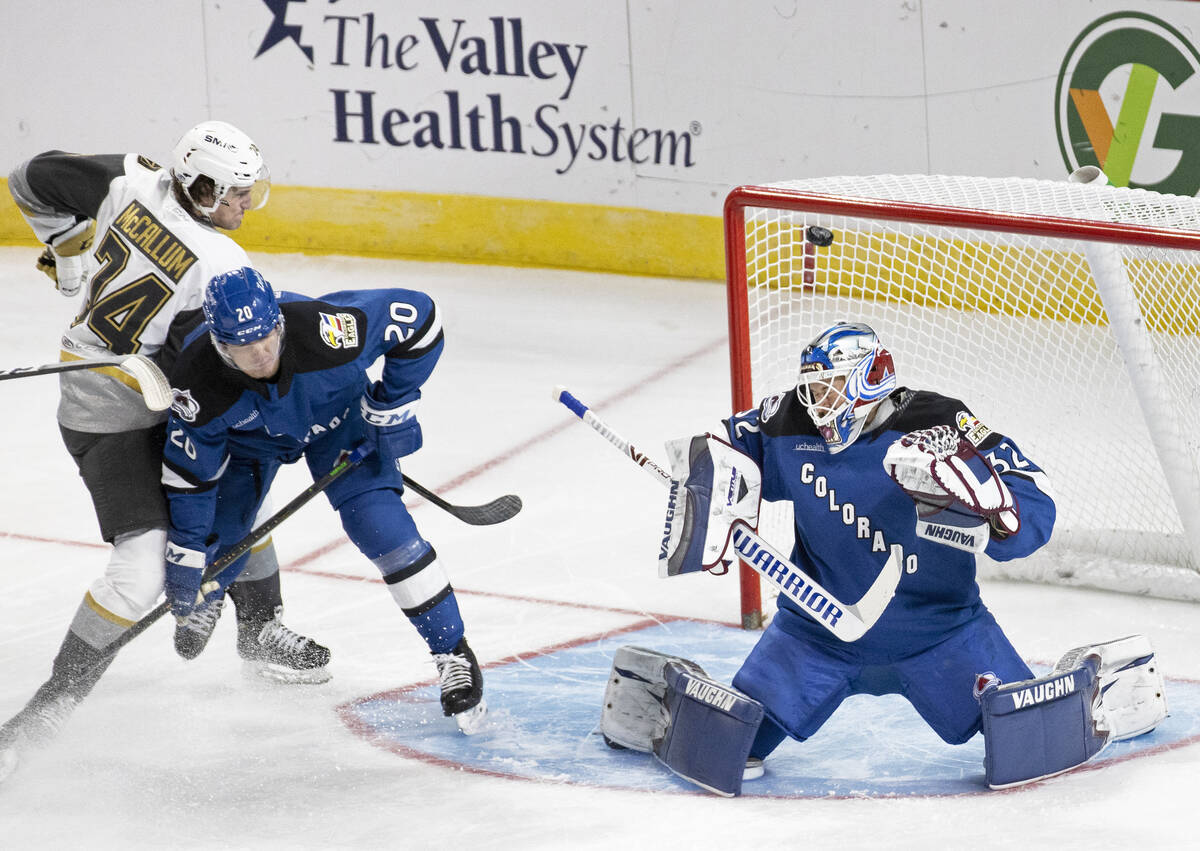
(879,475)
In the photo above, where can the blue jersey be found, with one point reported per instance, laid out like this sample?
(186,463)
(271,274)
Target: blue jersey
(312,406)
(850,517)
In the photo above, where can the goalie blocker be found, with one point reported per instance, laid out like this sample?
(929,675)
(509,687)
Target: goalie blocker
(712,486)
(698,728)
(1096,695)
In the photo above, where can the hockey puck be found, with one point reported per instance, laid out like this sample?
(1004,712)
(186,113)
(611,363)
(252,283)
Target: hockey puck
(818,235)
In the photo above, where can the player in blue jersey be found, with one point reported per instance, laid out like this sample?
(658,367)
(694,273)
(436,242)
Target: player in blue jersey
(267,382)
(879,477)
(852,452)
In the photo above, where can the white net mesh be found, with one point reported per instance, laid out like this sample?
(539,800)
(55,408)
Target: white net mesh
(1013,325)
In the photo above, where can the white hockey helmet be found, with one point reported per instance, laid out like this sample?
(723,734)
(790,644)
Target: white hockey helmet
(844,373)
(225,155)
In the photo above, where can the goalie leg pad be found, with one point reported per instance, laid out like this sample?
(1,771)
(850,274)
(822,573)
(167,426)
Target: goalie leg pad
(634,713)
(1042,727)
(710,732)
(1132,697)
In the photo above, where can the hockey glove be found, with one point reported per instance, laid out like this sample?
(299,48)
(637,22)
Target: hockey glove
(66,259)
(184,574)
(392,428)
(940,470)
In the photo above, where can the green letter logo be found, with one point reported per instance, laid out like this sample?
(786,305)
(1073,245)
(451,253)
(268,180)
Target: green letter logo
(1112,111)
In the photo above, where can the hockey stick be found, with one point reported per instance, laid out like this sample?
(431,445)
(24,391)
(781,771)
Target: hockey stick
(497,511)
(156,390)
(847,622)
(221,570)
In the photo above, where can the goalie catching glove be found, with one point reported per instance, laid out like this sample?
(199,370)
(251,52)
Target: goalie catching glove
(713,486)
(957,492)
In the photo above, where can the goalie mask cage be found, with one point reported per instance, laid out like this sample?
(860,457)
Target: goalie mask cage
(1065,315)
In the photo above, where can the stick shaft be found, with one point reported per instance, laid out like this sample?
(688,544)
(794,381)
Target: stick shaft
(65,366)
(600,427)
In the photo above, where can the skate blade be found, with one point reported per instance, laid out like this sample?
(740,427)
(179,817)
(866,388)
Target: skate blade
(472,720)
(266,671)
(753,770)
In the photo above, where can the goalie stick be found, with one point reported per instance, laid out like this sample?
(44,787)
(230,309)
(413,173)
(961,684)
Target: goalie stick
(156,390)
(847,622)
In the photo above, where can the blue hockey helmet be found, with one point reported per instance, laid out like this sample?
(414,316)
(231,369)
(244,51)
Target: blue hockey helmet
(844,373)
(241,308)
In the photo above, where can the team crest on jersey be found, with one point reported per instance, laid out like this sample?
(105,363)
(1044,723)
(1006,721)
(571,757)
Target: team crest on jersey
(184,405)
(770,407)
(339,330)
(972,428)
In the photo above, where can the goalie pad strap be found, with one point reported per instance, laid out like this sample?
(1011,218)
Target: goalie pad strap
(710,732)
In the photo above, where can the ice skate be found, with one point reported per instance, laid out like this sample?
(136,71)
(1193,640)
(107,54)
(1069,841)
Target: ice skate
(462,687)
(193,631)
(273,652)
(33,727)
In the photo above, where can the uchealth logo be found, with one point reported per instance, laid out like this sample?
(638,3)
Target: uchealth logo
(1128,101)
(488,83)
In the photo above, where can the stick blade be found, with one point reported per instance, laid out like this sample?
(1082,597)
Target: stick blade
(871,605)
(497,511)
(156,390)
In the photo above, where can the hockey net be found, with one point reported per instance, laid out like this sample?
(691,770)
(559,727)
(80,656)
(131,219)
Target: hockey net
(1064,315)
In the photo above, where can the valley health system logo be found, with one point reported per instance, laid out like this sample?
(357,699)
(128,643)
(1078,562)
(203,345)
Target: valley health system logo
(1128,101)
(475,62)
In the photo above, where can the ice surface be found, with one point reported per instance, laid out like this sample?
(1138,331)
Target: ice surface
(174,754)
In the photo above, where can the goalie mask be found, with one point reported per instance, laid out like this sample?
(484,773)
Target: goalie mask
(844,373)
(244,321)
(226,156)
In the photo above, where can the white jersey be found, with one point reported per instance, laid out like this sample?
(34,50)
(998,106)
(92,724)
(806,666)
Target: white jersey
(150,261)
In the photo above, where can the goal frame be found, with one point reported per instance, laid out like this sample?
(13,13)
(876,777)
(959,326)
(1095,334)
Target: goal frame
(757,196)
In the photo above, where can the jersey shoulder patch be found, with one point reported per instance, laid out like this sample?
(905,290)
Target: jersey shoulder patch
(323,335)
(784,415)
(923,409)
(200,383)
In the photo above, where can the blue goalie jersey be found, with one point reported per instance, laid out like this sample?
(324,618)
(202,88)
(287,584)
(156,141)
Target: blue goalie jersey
(310,408)
(850,517)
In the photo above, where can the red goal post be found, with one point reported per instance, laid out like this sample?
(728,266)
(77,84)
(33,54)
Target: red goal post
(1065,315)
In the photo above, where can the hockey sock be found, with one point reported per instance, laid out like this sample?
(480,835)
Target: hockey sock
(76,669)
(438,623)
(256,600)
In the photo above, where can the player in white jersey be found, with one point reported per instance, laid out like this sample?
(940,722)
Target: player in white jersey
(142,242)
